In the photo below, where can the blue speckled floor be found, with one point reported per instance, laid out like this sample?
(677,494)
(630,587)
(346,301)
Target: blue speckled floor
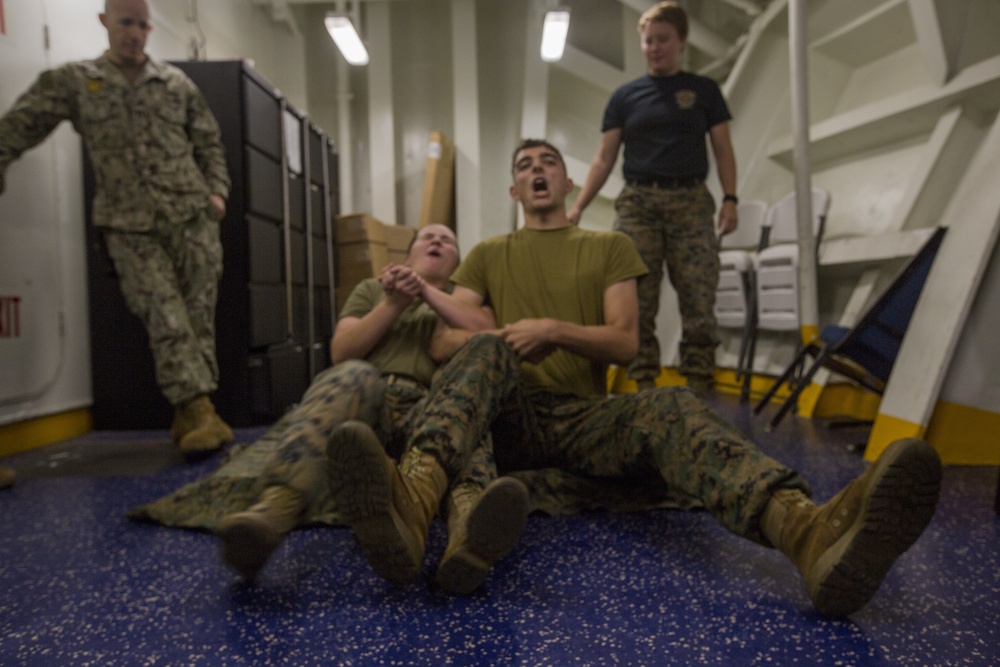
(80,585)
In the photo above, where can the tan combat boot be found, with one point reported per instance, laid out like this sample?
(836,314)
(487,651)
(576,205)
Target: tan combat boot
(483,526)
(388,507)
(845,547)
(181,425)
(249,538)
(7,477)
(197,428)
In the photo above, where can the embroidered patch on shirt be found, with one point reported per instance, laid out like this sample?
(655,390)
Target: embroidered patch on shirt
(94,85)
(685,98)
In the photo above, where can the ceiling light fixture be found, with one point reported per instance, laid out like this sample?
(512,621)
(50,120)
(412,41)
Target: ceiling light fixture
(346,38)
(554,31)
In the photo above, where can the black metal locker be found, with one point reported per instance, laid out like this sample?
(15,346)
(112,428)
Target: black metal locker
(266,347)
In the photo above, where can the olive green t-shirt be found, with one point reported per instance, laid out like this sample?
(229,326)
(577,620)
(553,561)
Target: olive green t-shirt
(558,273)
(404,348)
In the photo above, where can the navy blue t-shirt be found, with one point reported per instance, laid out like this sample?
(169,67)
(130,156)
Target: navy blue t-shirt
(663,122)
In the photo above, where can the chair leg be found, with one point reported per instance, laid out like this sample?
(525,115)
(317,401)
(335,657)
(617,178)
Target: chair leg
(800,385)
(748,346)
(741,360)
(748,365)
(745,382)
(744,368)
(780,381)
(996,501)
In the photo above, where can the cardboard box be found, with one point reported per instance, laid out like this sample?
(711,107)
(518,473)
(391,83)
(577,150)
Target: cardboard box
(439,183)
(358,228)
(357,261)
(397,257)
(398,237)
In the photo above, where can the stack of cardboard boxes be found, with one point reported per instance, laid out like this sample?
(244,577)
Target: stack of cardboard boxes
(364,246)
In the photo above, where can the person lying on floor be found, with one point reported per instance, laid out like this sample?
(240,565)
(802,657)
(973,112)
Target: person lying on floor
(401,339)
(565,299)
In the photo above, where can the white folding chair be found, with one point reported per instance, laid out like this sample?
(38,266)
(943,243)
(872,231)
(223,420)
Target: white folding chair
(734,296)
(777,265)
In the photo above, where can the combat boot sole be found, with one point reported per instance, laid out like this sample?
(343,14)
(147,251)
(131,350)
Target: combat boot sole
(205,439)
(361,483)
(247,542)
(493,527)
(898,501)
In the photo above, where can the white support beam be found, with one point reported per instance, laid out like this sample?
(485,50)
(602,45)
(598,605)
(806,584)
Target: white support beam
(535,100)
(577,170)
(928,29)
(748,7)
(381,127)
(590,69)
(973,219)
(465,72)
(704,39)
(798,59)
(937,174)
(534,110)
(345,147)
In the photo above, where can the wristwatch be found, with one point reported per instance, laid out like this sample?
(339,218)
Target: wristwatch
(732,198)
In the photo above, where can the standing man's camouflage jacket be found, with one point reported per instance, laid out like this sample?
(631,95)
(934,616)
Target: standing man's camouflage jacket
(154,144)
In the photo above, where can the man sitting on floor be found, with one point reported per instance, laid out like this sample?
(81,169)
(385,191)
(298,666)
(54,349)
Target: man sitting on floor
(565,299)
(402,339)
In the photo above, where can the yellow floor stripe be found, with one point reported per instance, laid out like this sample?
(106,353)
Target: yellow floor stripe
(962,435)
(888,429)
(41,431)
(965,435)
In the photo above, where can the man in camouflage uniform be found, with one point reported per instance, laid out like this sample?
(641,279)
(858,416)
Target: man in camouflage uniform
(565,300)
(386,349)
(162,184)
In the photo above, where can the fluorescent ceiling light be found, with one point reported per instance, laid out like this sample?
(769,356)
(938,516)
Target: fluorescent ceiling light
(554,34)
(346,38)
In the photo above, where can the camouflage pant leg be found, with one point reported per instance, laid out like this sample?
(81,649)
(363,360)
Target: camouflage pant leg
(666,431)
(671,432)
(692,256)
(170,279)
(350,390)
(674,226)
(402,402)
(200,273)
(480,470)
(467,394)
(641,220)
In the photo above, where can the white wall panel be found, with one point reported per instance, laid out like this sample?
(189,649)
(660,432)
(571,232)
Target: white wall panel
(44,327)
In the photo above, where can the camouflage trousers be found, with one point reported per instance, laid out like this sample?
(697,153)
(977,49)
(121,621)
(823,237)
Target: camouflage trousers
(674,226)
(170,280)
(663,432)
(351,390)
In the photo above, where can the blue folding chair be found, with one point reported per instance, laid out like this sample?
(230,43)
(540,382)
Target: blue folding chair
(866,352)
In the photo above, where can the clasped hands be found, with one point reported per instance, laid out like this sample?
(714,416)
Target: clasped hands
(529,338)
(400,283)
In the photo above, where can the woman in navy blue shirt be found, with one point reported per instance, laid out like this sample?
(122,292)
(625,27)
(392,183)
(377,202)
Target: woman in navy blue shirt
(662,119)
